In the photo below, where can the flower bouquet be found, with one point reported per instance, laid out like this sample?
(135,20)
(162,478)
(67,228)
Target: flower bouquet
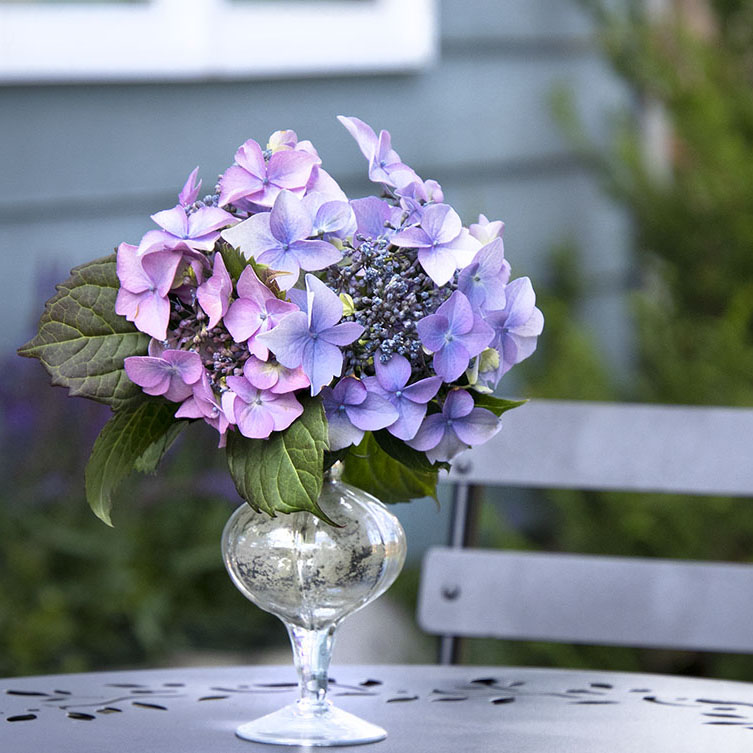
(305,327)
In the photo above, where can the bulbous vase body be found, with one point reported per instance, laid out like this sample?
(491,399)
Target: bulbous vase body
(312,575)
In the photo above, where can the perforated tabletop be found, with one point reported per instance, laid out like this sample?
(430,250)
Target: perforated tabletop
(424,708)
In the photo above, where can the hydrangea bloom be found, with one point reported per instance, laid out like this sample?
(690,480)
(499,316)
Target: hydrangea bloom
(403,319)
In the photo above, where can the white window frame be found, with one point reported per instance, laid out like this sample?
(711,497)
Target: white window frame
(169,40)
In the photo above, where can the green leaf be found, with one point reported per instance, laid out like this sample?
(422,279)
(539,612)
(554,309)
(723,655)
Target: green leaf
(235,261)
(370,468)
(398,450)
(129,436)
(497,405)
(82,342)
(151,458)
(284,472)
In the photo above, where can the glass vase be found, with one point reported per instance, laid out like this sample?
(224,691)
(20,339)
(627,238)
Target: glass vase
(312,575)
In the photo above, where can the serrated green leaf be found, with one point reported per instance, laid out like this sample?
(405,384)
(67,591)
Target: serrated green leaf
(151,458)
(497,405)
(235,261)
(284,472)
(82,342)
(125,438)
(370,468)
(398,450)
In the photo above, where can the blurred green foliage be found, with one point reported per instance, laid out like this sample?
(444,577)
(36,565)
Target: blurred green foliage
(693,227)
(76,595)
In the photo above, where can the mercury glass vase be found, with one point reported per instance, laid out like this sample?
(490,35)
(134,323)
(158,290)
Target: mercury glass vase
(312,575)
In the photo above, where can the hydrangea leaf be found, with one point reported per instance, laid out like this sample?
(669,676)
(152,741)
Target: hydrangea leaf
(370,468)
(497,405)
(235,261)
(283,473)
(398,450)
(135,436)
(82,342)
(152,456)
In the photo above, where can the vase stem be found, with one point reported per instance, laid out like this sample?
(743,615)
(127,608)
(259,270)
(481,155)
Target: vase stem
(312,651)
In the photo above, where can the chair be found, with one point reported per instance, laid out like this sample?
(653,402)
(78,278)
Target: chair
(594,599)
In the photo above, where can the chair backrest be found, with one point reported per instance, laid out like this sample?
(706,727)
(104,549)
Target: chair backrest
(591,599)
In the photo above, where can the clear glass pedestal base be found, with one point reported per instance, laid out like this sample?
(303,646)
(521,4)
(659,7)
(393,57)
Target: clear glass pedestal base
(311,725)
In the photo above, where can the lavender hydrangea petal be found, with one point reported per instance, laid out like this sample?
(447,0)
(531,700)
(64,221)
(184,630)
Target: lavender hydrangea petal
(289,219)
(441,223)
(458,404)
(429,434)
(423,390)
(432,330)
(409,419)
(372,414)
(314,255)
(253,420)
(173,220)
(349,391)
(413,237)
(362,133)
(325,309)
(342,433)
(451,360)
(439,263)
(342,334)
(393,374)
(190,191)
(214,294)
(373,215)
(288,339)
(284,409)
(447,448)
(477,427)
(149,373)
(252,236)
(290,169)
(206,220)
(237,183)
(321,362)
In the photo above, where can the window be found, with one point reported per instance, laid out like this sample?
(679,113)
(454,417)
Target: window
(48,41)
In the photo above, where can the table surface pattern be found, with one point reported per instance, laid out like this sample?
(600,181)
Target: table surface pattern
(423,708)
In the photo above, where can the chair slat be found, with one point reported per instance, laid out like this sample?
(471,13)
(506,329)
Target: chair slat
(631,447)
(587,599)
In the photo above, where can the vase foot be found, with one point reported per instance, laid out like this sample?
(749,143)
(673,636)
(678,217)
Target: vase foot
(321,727)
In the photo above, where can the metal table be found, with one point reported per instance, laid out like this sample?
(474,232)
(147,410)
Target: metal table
(424,708)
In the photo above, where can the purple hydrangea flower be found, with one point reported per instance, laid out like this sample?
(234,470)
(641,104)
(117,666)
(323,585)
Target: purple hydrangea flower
(214,294)
(166,372)
(254,181)
(313,339)
(385,165)
(443,244)
(256,310)
(272,375)
(455,334)
(203,403)
(190,191)
(351,410)
(483,281)
(197,231)
(517,326)
(257,413)
(459,426)
(375,217)
(279,240)
(144,285)
(409,401)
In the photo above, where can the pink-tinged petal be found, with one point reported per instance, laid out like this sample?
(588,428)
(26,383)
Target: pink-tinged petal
(393,374)
(284,263)
(362,133)
(178,391)
(432,330)
(253,421)
(160,268)
(214,294)
(479,426)
(451,361)
(322,187)
(189,409)
(243,388)
(130,271)
(459,314)
(463,248)
(284,409)
(262,374)
(173,220)
(290,169)
(373,215)
(153,315)
(282,140)
(441,223)
(458,404)
(127,304)
(188,364)
(237,183)
(438,263)
(251,158)
(372,414)
(206,220)
(423,390)
(313,255)
(333,216)
(228,405)
(485,231)
(149,373)
(289,220)
(291,380)
(158,240)
(242,319)
(342,334)
(413,237)
(277,308)
(190,191)
(429,434)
